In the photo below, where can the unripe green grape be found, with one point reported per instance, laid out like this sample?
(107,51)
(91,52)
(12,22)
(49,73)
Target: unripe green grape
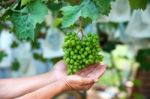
(74,70)
(74,57)
(67,60)
(82,66)
(75,66)
(79,67)
(87,43)
(82,56)
(75,63)
(78,47)
(90,56)
(73,42)
(79,57)
(80,52)
(75,50)
(86,62)
(69,71)
(89,51)
(71,61)
(87,48)
(85,53)
(71,53)
(94,40)
(84,43)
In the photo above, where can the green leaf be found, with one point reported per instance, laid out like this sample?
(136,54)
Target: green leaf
(74,2)
(24,26)
(24,2)
(25,20)
(104,6)
(138,4)
(137,83)
(15,65)
(72,13)
(37,10)
(89,10)
(143,57)
(2,55)
(138,96)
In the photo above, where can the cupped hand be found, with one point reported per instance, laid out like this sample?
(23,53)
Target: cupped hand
(92,71)
(60,70)
(83,79)
(75,82)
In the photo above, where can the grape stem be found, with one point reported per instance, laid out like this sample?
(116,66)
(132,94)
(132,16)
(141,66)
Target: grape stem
(80,28)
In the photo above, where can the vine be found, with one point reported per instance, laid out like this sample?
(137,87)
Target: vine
(26,14)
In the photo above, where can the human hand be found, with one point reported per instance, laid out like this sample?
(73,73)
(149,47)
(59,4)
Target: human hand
(92,71)
(60,70)
(83,79)
(75,82)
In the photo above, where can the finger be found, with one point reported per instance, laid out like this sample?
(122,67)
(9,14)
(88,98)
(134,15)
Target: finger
(91,70)
(86,81)
(86,87)
(97,72)
(87,70)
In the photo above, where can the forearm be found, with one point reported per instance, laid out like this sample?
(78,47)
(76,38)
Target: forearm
(47,92)
(11,88)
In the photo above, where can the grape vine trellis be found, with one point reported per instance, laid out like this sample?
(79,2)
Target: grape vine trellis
(26,14)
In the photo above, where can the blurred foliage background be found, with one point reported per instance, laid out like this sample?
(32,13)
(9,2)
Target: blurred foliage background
(32,33)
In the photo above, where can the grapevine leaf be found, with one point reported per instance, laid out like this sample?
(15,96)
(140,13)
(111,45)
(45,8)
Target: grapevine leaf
(24,26)
(15,65)
(72,13)
(2,55)
(138,4)
(104,6)
(74,2)
(24,2)
(89,10)
(37,10)
(25,20)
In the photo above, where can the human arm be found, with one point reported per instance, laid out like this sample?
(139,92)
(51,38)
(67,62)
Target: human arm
(73,82)
(19,86)
(15,87)
(83,80)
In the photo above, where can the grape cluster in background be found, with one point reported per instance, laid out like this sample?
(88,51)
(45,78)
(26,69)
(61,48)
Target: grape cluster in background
(81,52)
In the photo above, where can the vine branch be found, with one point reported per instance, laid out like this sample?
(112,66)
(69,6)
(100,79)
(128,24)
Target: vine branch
(5,3)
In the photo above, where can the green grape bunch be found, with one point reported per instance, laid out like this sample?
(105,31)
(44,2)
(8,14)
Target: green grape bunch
(81,52)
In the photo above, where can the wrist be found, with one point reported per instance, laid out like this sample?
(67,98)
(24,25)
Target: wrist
(56,74)
(50,77)
(64,83)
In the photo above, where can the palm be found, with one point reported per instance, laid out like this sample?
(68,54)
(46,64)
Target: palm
(60,69)
(92,71)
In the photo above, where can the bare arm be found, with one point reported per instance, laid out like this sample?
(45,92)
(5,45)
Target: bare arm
(83,80)
(47,92)
(70,83)
(15,87)
(50,84)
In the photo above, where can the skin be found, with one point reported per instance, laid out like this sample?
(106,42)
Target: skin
(50,84)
